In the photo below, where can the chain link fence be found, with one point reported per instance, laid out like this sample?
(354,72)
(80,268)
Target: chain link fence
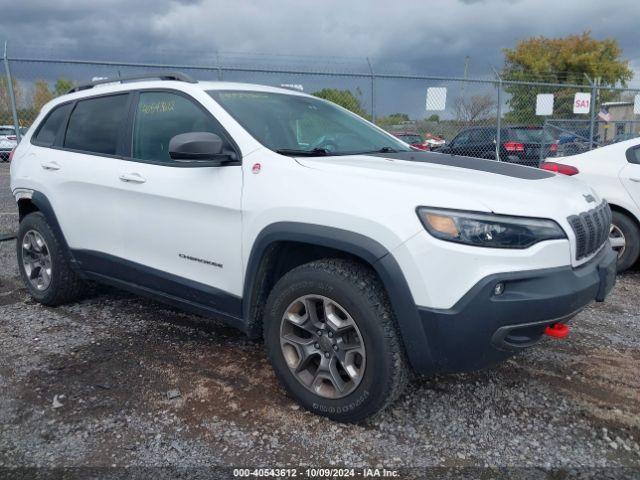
(493,118)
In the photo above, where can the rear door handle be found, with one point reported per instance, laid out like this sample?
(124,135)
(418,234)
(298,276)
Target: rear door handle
(132,178)
(50,166)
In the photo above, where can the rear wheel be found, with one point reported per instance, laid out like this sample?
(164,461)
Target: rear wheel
(332,340)
(43,264)
(624,237)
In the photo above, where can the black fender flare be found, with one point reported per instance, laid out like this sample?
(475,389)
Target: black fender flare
(370,251)
(43,204)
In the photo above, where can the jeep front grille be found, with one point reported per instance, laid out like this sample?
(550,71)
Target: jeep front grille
(591,229)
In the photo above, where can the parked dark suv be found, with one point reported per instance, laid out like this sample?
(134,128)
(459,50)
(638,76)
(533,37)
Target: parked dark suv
(525,145)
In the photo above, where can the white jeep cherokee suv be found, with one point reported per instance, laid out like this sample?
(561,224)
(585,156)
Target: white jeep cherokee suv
(354,257)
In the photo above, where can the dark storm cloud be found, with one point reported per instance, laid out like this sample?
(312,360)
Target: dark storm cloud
(433,36)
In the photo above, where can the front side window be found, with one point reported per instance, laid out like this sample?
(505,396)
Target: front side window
(47,133)
(162,115)
(95,124)
(301,125)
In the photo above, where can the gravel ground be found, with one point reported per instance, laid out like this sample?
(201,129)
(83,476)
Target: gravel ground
(119,380)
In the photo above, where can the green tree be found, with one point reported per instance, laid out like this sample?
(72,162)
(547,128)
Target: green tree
(5,101)
(433,118)
(344,98)
(62,86)
(393,119)
(41,94)
(560,60)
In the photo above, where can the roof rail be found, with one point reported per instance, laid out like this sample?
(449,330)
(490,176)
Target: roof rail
(180,77)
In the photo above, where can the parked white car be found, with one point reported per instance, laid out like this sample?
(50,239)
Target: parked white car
(8,141)
(352,255)
(614,172)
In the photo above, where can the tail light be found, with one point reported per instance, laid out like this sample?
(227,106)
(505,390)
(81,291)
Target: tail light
(553,148)
(559,168)
(514,146)
(11,155)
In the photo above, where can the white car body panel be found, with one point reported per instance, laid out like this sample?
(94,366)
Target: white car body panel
(608,171)
(216,214)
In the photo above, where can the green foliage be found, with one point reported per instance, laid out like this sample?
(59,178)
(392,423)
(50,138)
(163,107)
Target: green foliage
(433,118)
(344,98)
(559,60)
(393,119)
(41,94)
(62,86)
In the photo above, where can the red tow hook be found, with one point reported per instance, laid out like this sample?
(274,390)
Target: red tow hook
(557,330)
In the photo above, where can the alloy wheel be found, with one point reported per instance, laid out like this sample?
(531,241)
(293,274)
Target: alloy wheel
(36,260)
(322,346)
(617,240)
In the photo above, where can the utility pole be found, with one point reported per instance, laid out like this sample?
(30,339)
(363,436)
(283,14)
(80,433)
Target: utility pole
(466,70)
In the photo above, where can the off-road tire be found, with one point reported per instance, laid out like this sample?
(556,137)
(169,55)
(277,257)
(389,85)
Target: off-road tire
(65,285)
(357,288)
(631,233)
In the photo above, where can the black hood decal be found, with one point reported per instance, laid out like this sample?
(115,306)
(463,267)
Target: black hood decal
(479,164)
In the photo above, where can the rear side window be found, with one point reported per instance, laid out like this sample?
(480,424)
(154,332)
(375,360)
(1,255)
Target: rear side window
(95,124)
(162,115)
(50,127)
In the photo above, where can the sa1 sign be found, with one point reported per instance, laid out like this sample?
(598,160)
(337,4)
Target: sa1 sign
(582,103)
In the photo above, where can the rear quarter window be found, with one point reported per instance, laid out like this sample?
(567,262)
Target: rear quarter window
(48,130)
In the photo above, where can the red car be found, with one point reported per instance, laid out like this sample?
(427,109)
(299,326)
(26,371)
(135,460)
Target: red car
(414,139)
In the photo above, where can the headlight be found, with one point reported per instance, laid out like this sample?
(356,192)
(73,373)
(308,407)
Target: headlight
(487,229)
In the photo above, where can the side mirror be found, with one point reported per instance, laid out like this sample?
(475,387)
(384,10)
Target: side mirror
(197,147)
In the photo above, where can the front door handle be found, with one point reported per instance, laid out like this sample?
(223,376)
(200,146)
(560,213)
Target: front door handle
(50,166)
(132,178)
(637,180)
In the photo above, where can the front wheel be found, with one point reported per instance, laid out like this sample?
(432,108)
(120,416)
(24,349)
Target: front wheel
(624,236)
(332,340)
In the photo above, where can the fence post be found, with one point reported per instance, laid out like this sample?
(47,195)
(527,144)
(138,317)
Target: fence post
(499,114)
(373,92)
(219,66)
(592,119)
(12,95)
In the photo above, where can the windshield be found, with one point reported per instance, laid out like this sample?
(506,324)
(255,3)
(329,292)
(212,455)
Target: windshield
(532,135)
(301,125)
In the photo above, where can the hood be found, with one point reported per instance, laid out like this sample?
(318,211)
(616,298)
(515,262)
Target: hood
(447,181)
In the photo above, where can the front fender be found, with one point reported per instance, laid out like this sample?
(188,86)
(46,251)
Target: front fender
(365,248)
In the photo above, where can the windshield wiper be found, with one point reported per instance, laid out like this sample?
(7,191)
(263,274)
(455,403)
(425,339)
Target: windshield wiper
(380,150)
(316,152)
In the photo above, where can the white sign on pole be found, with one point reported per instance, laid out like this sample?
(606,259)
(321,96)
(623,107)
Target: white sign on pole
(636,105)
(436,98)
(582,103)
(544,104)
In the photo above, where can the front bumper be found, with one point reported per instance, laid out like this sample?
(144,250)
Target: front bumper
(483,328)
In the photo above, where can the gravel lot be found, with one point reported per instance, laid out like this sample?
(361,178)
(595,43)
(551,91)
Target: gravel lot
(90,384)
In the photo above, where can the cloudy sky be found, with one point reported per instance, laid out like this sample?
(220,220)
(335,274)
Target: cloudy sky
(430,37)
(421,35)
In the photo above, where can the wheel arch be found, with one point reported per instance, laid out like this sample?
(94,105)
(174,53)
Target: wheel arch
(281,242)
(38,202)
(617,208)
